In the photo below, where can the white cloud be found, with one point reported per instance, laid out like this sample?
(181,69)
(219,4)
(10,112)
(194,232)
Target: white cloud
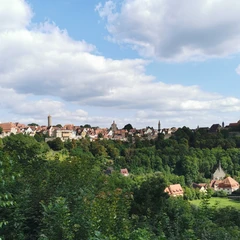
(238,70)
(44,71)
(14,14)
(175,30)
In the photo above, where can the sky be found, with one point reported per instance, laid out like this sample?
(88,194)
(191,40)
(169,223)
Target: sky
(129,61)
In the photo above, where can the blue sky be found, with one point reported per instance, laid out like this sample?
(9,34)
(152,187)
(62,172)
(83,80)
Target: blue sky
(125,60)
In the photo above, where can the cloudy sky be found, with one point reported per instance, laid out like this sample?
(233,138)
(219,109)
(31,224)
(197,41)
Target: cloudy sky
(132,61)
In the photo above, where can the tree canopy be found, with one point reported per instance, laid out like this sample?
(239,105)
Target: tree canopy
(43,196)
(128,127)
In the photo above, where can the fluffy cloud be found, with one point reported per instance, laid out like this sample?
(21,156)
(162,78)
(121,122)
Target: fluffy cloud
(44,71)
(175,30)
(14,14)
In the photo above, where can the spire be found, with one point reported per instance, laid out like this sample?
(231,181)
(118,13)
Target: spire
(219,165)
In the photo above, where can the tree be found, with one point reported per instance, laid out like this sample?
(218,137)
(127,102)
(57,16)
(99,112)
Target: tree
(22,147)
(149,198)
(1,130)
(56,220)
(56,144)
(33,124)
(39,136)
(6,178)
(128,127)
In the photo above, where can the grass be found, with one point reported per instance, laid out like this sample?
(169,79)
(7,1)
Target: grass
(51,155)
(220,202)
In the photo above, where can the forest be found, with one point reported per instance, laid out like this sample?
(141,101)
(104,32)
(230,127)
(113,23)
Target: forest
(60,190)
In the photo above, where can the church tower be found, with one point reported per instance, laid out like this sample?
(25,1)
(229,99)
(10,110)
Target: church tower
(114,126)
(159,127)
(49,120)
(219,173)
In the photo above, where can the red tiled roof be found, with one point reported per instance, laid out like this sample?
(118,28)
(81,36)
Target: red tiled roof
(228,182)
(175,190)
(7,126)
(124,171)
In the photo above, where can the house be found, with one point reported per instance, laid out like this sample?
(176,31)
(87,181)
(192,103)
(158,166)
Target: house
(63,134)
(201,186)
(28,131)
(174,190)
(232,125)
(8,128)
(220,183)
(228,185)
(215,128)
(124,172)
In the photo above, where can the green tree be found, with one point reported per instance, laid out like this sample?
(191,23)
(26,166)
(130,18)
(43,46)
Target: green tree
(56,222)
(22,147)
(128,127)
(33,124)
(56,144)
(7,177)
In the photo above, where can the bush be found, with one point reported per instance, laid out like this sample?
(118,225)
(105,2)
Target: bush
(220,193)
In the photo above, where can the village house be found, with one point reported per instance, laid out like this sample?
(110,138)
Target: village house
(124,172)
(174,190)
(220,183)
(8,128)
(201,186)
(234,124)
(228,185)
(215,128)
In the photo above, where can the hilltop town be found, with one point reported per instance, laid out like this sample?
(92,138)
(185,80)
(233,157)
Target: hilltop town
(71,131)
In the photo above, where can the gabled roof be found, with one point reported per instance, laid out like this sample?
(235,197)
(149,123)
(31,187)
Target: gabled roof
(228,182)
(124,171)
(7,126)
(215,128)
(174,190)
(199,185)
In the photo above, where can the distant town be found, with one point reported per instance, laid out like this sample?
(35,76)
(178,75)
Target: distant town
(70,131)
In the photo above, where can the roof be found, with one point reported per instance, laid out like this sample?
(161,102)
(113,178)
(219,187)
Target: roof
(7,126)
(228,182)
(225,183)
(219,173)
(174,190)
(199,185)
(124,171)
(215,128)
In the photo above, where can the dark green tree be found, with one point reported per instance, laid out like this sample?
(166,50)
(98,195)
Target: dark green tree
(128,127)
(56,144)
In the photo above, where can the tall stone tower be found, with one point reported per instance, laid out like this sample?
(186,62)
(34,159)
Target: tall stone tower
(49,120)
(159,127)
(114,126)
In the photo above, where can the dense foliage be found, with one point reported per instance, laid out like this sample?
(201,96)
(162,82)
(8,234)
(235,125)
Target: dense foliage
(71,197)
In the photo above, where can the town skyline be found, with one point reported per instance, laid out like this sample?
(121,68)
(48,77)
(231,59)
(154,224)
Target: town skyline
(97,61)
(49,121)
